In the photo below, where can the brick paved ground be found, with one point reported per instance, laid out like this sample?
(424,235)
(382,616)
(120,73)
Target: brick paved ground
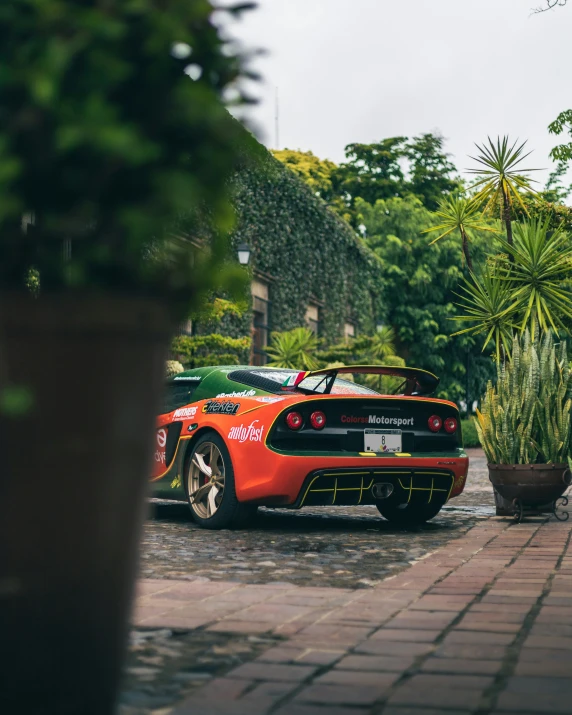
(483,625)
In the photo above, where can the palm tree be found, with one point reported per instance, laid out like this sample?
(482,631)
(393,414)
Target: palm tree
(500,183)
(539,273)
(382,343)
(293,349)
(487,304)
(457,213)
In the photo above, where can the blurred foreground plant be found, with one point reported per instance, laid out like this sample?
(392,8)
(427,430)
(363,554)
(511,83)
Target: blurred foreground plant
(113,125)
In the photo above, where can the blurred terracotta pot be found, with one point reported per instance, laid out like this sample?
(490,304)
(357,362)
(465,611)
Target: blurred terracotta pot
(80,384)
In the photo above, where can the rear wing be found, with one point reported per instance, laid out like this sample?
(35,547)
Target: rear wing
(418,382)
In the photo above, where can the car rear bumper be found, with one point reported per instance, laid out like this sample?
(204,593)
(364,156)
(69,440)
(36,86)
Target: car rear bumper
(298,481)
(339,487)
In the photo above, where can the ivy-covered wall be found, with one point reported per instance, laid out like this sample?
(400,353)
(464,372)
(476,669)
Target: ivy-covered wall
(307,250)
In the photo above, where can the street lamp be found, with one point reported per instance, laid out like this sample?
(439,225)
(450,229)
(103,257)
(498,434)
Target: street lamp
(244,254)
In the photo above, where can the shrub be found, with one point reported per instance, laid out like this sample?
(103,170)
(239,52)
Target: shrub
(173,367)
(470,434)
(206,350)
(293,349)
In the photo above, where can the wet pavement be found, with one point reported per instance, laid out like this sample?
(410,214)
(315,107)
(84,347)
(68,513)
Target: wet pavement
(349,547)
(165,666)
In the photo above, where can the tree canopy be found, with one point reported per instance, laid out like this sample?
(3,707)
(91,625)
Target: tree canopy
(421,282)
(432,174)
(395,166)
(372,171)
(317,173)
(562,125)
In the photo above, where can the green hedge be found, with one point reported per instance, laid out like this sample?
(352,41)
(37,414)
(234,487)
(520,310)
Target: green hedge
(470,436)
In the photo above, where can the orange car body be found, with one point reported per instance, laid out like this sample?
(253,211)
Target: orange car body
(275,466)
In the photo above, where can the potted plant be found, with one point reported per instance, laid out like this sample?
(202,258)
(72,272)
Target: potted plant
(524,425)
(114,142)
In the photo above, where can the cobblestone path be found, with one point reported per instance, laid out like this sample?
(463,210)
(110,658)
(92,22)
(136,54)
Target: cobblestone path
(327,546)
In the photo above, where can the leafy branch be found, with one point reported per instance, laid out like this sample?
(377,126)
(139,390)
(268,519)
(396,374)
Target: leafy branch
(562,124)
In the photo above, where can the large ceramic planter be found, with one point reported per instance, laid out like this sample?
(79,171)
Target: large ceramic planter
(532,486)
(74,468)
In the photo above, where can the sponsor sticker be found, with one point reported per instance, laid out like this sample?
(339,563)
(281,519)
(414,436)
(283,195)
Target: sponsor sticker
(244,393)
(242,434)
(377,420)
(269,399)
(184,413)
(160,457)
(188,379)
(221,408)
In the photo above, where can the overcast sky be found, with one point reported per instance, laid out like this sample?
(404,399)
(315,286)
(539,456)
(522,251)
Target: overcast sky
(362,70)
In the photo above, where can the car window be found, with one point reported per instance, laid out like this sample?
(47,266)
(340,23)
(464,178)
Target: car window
(279,376)
(178,394)
(341,386)
(267,380)
(272,381)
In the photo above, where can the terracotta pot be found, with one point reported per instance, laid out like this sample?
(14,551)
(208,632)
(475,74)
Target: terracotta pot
(73,482)
(534,484)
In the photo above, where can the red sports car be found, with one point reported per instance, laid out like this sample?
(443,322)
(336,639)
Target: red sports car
(231,439)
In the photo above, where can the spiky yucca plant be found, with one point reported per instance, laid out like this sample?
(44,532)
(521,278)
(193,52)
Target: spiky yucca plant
(525,417)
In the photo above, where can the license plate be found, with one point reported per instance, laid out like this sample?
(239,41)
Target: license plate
(382,440)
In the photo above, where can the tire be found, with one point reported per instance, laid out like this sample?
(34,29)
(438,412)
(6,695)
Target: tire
(215,507)
(408,514)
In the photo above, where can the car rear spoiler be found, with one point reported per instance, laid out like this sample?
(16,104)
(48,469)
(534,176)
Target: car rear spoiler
(419,382)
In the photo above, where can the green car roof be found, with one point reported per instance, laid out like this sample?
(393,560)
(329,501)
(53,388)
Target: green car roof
(215,381)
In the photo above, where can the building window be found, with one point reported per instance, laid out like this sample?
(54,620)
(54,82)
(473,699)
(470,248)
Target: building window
(349,331)
(260,322)
(313,318)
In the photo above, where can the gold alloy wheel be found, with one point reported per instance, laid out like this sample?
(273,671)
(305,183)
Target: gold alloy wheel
(206,480)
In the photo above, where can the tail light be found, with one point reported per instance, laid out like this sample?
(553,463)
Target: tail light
(435,423)
(294,420)
(318,420)
(451,425)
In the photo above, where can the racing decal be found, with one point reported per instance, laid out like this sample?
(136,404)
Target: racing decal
(244,393)
(184,413)
(376,420)
(221,408)
(160,456)
(269,399)
(252,433)
(295,379)
(188,379)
